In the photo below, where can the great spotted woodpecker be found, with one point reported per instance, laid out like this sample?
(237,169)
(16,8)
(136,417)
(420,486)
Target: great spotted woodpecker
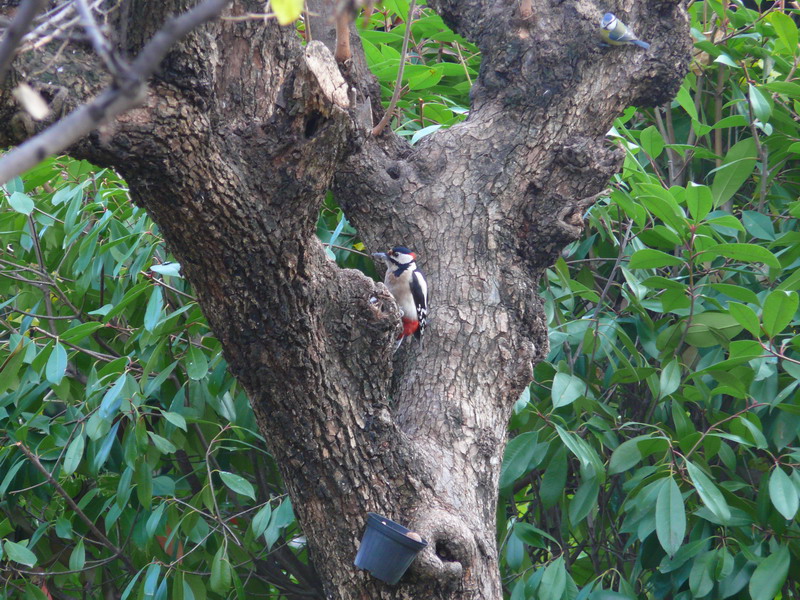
(407,284)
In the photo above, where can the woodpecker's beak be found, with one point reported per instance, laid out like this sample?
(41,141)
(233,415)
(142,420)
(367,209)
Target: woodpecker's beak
(379,255)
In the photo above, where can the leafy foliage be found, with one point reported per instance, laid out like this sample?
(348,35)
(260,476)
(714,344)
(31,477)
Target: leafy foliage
(124,433)
(440,67)
(662,458)
(655,455)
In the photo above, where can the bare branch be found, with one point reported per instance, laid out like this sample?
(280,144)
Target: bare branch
(113,101)
(101,45)
(18,28)
(343,52)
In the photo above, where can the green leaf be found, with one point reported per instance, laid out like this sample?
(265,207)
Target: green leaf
(706,329)
(220,572)
(522,454)
(78,557)
(112,399)
(554,581)
(584,500)
(21,203)
(151,582)
(742,252)
(758,225)
(554,479)
(33,592)
(74,454)
(9,476)
(425,131)
(779,310)
(428,78)
(699,201)
(786,88)
(670,379)
(19,553)
(761,106)
(770,574)
(524,399)
(152,315)
(282,517)
(171,269)
(79,332)
(736,168)
(783,493)
(154,520)
(143,477)
(56,364)
(287,12)
(701,577)
(625,456)
(261,520)
(670,517)
(515,552)
(647,258)
(533,536)
(566,389)
(238,484)
(591,466)
(746,317)
(686,101)
(9,369)
(652,142)
(162,444)
(130,296)
(176,419)
(196,363)
(129,588)
(105,448)
(709,493)
(785,28)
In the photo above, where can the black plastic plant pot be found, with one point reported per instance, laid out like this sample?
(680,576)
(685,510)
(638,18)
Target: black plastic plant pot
(386,550)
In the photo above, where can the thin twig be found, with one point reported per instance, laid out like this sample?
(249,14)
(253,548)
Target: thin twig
(75,508)
(35,316)
(92,353)
(48,303)
(387,116)
(354,251)
(169,287)
(101,45)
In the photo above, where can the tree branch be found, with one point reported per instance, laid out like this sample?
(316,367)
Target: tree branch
(101,45)
(113,101)
(18,28)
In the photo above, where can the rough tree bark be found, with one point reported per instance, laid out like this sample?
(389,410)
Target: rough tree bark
(243,131)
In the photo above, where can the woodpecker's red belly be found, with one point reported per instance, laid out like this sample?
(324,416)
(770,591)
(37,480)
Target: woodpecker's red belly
(409,327)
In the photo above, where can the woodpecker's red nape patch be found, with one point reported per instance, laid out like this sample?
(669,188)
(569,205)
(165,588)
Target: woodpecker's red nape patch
(409,327)
(413,255)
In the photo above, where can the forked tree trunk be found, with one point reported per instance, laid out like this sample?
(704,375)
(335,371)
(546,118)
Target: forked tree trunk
(241,135)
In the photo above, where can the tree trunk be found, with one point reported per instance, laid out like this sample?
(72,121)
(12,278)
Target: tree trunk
(242,133)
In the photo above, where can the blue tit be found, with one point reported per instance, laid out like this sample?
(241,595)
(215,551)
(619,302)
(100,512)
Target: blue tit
(616,33)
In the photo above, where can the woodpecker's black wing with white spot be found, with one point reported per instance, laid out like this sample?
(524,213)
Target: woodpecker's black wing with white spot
(419,290)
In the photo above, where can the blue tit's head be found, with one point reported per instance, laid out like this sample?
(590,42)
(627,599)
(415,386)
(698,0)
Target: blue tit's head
(609,21)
